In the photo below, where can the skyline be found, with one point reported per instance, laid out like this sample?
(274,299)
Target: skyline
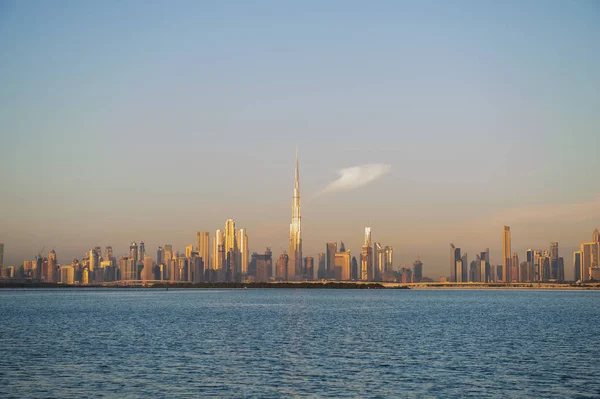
(142,121)
(230,260)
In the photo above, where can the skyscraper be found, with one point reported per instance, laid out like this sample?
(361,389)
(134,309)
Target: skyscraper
(465,268)
(160,255)
(379,260)
(52,271)
(295,250)
(418,270)
(342,268)
(231,251)
(309,268)
(514,267)
(454,257)
(202,242)
(243,246)
(1,255)
(506,253)
(554,272)
(596,236)
(282,267)
(133,252)
(577,265)
(389,259)
(141,252)
(330,251)
(322,271)
(367,252)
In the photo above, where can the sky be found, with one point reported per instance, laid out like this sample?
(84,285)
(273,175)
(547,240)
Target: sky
(151,120)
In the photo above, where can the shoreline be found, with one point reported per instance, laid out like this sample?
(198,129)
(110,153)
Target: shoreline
(306,285)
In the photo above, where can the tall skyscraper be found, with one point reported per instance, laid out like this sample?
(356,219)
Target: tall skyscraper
(506,253)
(465,268)
(454,257)
(231,251)
(322,271)
(418,270)
(596,236)
(309,268)
(264,266)
(133,252)
(577,265)
(188,251)
(1,255)
(554,260)
(160,255)
(202,242)
(218,252)
(330,251)
(342,268)
(148,270)
(243,246)
(379,260)
(367,253)
(282,266)
(295,250)
(514,267)
(141,252)
(93,260)
(389,259)
(52,267)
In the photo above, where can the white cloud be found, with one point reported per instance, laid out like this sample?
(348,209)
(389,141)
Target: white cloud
(356,176)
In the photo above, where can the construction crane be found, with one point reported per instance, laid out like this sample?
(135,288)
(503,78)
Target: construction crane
(39,255)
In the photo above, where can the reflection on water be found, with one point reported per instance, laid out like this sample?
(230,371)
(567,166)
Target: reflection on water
(298,343)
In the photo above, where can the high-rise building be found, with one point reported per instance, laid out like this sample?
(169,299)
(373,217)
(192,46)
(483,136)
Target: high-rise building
(514,265)
(148,270)
(243,256)
(379,260)
(596,236)
(295,248)
(128,268)
(141,252)
(554,260)
(264,266)
(188,251)
(506,252)
(354,269)
(203,246)
(309,268)
(282,267)
(454,257)
(365,262)
(459,270)
(577,265)
(160,255)
(342,247)
(330,251)
(93,260)
(52,267)
(418,270)
(342,266)
(367,251)
(67,275)
(219,253)
(1,255)
(231,251)
(389,259)
(322,272)
(465,268)
(133,252)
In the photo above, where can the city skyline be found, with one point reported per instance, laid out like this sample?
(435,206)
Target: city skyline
(230,260)
(449,120)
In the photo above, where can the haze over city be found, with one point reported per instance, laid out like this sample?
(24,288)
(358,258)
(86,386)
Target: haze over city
(428,122)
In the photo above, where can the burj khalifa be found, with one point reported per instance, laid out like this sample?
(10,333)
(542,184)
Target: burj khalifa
(295,252)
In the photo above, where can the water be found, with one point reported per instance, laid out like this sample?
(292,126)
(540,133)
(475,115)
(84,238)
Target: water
(299,343)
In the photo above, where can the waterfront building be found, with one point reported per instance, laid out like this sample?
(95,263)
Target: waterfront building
(465,267)
(577,265)
(148,270)
(188,251)
(506,252)
(322,270)
(282,267)
(418,270)
(389,259)
(379,254)
(141,252)
(454,257)
(330,251)
(203,247)
(309,268)
(264,266)
(342,266)
(133,252)
(354,269)
(554,273)
(243,255)
(295,247)
(67,275)
(1,255)
(514,265)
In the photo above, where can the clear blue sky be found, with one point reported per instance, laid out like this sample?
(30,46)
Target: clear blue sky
(149,121)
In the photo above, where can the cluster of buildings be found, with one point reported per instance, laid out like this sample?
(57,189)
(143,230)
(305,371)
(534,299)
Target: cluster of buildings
(539,265)
(224,257)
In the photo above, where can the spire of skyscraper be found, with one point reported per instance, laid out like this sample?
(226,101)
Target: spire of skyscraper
(295,252)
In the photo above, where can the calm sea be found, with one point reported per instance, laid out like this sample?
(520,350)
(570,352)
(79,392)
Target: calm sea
(299,343)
